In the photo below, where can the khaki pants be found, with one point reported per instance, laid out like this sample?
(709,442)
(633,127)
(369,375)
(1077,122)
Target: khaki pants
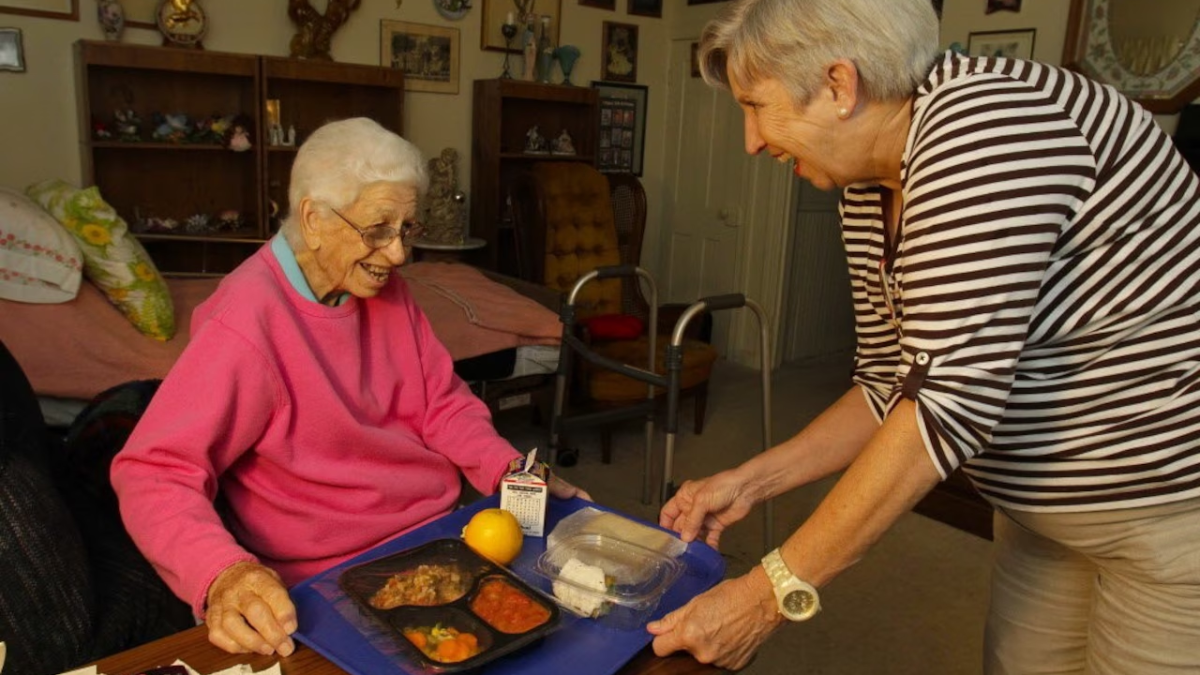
(1102,593)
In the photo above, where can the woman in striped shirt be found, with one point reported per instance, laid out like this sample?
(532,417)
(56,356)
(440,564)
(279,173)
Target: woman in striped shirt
(1024,252)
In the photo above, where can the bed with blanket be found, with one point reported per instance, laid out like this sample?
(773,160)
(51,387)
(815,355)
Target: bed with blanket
(502,334)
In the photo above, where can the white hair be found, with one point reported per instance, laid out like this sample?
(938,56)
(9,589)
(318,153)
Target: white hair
(341,158)
(892,43)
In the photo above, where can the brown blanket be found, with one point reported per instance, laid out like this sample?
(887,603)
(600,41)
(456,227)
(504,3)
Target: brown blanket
(80,348)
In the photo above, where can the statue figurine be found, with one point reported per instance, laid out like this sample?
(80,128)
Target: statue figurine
(291,136)
(444,211)
(530,51)
(563,145)
(239,139)
(314,30)
(535,143)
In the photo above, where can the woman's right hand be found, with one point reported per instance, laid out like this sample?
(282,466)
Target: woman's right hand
(249,610)
(704,508)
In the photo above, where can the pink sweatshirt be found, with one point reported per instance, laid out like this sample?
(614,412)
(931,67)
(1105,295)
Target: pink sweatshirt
(325,430)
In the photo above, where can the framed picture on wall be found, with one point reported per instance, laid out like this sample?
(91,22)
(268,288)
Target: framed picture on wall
(1003,6)
(1012,44)
(495,13)
(619,52)
(50,9)
(601,4)
(12,50)
(645,7)
(141,13)
(427,54)
(622,127)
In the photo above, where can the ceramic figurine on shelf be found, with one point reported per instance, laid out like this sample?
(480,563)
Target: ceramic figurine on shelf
(112,19)
(160,225)
(291,136)
(535,143)
(529,49)
(128,125)
(196,224)
(170,128)
(443,219)
(563,145)
(239,139)
(229,220)
(101,131)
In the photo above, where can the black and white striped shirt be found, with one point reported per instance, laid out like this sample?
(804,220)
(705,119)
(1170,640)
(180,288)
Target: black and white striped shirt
(1046,287)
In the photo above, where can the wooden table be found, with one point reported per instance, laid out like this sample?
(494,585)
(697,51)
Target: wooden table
(193,648)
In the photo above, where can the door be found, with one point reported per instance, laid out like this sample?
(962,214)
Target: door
(725,212)
(702,180)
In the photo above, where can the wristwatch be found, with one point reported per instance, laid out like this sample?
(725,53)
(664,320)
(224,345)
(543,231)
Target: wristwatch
(797,599)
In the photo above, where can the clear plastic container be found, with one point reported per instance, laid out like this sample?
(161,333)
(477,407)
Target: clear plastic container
(601,577)
(591,520)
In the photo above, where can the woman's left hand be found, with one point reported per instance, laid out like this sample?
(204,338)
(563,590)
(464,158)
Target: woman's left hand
(723,626)
(564,490)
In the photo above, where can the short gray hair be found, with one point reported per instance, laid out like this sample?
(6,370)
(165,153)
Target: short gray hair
(340,158)
(892,43)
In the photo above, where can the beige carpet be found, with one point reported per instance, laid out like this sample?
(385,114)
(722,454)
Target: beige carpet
(914,606)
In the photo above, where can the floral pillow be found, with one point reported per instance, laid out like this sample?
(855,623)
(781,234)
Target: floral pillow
(112,258)
(39,260)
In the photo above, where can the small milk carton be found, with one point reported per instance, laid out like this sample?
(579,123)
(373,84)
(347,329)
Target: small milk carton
(524,494)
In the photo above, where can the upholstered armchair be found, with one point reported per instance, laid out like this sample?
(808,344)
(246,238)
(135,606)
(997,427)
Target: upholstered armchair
(570,220)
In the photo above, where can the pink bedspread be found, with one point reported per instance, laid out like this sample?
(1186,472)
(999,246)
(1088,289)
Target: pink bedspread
(80,348)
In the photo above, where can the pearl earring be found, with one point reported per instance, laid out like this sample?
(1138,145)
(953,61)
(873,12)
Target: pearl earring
(843,113)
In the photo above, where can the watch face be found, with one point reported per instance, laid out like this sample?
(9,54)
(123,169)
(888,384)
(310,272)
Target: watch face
(799,604)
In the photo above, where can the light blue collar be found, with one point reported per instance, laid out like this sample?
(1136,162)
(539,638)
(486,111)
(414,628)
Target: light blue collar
(291,270)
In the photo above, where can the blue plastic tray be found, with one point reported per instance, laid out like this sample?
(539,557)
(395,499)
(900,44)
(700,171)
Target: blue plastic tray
(331,624)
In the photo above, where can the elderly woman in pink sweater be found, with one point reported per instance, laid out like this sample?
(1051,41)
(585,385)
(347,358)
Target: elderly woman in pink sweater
(313,401)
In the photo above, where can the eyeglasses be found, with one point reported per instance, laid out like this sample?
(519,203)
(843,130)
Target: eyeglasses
(885,286)
(379,236)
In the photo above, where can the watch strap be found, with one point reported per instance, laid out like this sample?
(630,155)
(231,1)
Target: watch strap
(785,584)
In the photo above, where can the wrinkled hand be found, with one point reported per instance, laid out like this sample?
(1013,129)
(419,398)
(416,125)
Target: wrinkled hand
(723,626)
(704,508)
(564,490)
(249,611)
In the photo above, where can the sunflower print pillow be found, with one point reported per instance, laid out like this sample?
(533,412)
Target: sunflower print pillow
(113,259)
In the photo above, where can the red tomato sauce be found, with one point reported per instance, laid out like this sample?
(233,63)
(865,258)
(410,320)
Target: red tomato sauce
(507,608)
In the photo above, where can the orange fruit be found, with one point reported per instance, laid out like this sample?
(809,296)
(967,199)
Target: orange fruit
(494,534)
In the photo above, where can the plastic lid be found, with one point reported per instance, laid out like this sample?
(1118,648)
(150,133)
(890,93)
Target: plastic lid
(630,575)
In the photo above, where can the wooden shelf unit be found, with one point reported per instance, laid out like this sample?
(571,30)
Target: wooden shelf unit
(311,93)
(151,179)
(504,111)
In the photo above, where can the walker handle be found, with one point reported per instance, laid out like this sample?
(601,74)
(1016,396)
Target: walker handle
(609,271)
(728,301)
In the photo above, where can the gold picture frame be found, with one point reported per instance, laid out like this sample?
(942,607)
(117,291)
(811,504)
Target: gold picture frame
(495,13)
(428,55)
(68,10)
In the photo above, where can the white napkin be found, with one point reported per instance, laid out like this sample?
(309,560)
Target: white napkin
(241,669)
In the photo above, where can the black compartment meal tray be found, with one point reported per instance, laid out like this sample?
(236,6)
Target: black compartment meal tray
(361,583)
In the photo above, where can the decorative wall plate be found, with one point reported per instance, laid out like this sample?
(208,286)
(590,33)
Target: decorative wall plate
(182,22)
(453,10)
